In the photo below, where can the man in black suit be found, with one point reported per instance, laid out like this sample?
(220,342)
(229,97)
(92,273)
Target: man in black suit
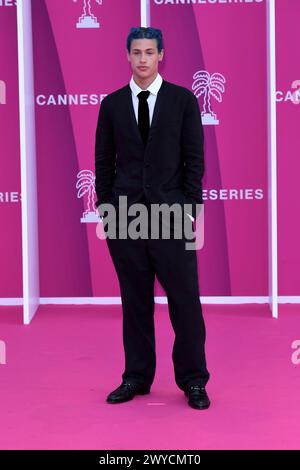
(149,149)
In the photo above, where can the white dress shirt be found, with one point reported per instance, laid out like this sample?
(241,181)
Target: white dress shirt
(153,88)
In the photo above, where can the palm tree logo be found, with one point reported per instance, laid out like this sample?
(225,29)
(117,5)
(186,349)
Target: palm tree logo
(208,85)
(86,185)
(87,19)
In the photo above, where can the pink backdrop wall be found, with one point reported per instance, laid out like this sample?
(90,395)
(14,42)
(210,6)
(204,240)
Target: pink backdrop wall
(83,65)
(288,142)
(228,39)
(10,184)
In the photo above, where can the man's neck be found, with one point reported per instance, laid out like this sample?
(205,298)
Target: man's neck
(144,83)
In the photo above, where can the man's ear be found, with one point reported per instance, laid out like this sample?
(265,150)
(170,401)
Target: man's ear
(161,54)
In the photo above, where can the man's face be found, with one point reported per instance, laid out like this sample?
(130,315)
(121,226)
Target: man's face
(144,54)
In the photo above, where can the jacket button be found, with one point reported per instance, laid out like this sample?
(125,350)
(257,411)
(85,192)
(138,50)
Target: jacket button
(147,165)
(147,185)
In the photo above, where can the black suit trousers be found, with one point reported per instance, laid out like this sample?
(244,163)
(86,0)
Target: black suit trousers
(137,262)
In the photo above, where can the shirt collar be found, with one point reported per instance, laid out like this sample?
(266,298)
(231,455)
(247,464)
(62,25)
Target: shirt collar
(153,87)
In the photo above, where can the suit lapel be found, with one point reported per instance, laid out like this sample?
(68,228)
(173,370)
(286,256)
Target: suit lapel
(155,117)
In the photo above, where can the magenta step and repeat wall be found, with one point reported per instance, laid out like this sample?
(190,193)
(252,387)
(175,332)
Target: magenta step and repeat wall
(288,144)
(217,49)
(10,173)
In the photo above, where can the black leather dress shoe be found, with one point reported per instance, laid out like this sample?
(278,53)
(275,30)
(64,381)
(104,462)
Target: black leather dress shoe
(126,391)
(197,396)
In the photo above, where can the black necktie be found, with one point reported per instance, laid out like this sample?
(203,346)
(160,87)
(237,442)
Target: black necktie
(143,115)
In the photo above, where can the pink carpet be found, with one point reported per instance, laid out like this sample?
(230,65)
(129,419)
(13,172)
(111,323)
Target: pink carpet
(59,370)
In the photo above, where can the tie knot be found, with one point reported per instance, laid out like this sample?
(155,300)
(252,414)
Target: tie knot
(143,95)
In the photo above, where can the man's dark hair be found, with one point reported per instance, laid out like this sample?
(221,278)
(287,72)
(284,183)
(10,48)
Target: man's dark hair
(145,33)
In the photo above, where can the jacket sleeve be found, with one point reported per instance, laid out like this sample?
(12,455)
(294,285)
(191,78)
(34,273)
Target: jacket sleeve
(105,156)
(192,144)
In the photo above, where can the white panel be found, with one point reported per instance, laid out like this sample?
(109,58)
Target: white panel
(145,13)
(31,292)
(272,160)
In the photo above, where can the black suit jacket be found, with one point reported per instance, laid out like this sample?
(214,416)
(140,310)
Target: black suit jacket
(169,168)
